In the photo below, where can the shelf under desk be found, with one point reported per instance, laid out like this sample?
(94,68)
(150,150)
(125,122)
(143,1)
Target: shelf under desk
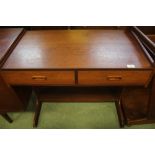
(78,94)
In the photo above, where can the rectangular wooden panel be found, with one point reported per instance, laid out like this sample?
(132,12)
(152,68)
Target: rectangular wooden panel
(77,49)
(113,77)
(135,104)
(151,112)
(8,99)
(39,77)
(8,37)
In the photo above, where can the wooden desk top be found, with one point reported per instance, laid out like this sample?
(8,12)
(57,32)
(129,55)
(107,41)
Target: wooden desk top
(77,49)
(7,37)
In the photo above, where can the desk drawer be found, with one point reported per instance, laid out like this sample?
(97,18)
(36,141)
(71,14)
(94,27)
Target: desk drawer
(113,77)
(39,77)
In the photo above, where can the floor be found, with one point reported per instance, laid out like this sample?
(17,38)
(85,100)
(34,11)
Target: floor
(97,115)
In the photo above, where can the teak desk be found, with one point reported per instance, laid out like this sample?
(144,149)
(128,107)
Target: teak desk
(86,65)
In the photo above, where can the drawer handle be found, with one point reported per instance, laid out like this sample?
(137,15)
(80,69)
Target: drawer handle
(39,78)
(114,78)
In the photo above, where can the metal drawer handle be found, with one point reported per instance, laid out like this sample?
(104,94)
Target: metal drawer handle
(39,78)
(114,78)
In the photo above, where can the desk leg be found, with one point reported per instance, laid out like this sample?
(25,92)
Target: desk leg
(7,117)
(120,113)
(37,113)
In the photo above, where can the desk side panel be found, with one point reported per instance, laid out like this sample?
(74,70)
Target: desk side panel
(8,99)
(151,112)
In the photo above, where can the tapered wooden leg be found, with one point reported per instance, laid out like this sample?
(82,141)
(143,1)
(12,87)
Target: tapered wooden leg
(120,113)
(37,113)
(7,117)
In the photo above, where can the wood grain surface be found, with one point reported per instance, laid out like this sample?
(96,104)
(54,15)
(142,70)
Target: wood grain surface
(50,49)
(7,38)
(152,37)
(113,77)
(39,77)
